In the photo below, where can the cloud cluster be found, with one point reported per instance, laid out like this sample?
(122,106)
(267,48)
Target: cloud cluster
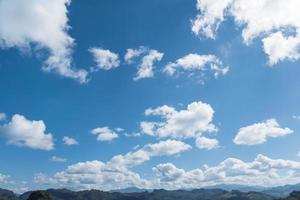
(196,62)
(115,173)
(275,22)
(258,133)
(261,171)
(25,133)
(40,25)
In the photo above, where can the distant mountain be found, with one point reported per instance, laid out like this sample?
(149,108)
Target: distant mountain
(131,190)
(242,188)
(197,194)
(244,193)
(282,191)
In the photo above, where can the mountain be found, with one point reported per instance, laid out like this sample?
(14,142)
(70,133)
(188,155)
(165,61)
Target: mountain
(242,188)
(39,195)
(293,196)
(196,194)
(282,191)
(131,190)
(7,195)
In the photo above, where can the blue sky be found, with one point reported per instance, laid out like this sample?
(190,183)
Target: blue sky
(255,102)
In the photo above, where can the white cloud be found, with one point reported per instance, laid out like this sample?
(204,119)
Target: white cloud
(196,62)
(145,68)
(167,148)
(58,159)
(4,178)
(262,171)
(258,133)
(134,53)
(162,148)
(279,47)
(104,134)
(276,22)
(207,143)
(2,116)
(25,133)
(191,122)
(40,25)
(105,59)
(69,141)
(114,173)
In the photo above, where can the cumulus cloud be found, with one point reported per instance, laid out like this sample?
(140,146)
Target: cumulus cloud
(2,116)
(58,159)
(25,133)
(104,58)
(275,22)
(207,143)
(69,141)
(113,174)
(279,47)
(145,68)
(259,133)
(40,25)
(104,134)
(195,62)
(261,171)
(190,122)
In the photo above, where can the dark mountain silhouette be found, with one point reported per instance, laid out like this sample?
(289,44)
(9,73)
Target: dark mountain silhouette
(39,195)
(196,194)
(7,195)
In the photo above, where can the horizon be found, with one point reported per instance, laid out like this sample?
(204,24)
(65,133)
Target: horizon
(165,94)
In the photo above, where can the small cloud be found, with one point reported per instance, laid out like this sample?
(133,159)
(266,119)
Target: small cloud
(2,116)
(105,59)
(58,159)
(104,134)
(69,141)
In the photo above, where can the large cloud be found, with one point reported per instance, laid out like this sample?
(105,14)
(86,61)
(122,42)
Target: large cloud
(276,22)
(262,171)
(190,122)
(113,174)
(258,133)
(25,133)
(40,25)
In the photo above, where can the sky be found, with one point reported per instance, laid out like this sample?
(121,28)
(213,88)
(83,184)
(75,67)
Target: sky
(109,94)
